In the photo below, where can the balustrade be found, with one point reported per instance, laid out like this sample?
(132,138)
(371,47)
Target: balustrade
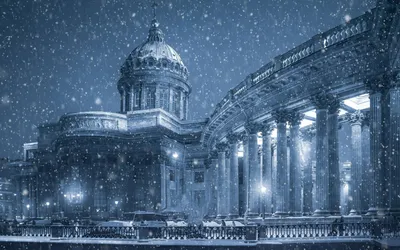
(388,228)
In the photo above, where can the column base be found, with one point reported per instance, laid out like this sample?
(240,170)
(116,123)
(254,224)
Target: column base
(372,212)
(335,213)
(322,213)
(394,211)
(221,217)
(252,215)
(280,214)
(233,216)
(296,214)
(354,212)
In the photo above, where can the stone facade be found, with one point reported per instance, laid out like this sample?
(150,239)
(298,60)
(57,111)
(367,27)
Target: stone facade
(254,156)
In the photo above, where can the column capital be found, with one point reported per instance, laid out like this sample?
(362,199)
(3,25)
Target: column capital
(280,116)
(355,118)
(322,100)
(243,136)
(334,106)
(365,121)
(307,134)
(213,154)
(221,147)
(232,138)
(378,83)
(267,128)
(207,163)
(253,127)
(295,118)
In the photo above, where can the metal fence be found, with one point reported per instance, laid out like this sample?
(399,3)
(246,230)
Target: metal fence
(371,229)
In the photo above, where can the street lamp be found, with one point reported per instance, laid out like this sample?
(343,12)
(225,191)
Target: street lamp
(47,209)
(27,207)
(263,192)
(175,155)
(116,209)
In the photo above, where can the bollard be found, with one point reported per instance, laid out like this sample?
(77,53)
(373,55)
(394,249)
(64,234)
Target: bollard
(56,231)
(251,234)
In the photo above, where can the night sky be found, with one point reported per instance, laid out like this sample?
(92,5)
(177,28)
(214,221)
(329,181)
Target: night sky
(60,56)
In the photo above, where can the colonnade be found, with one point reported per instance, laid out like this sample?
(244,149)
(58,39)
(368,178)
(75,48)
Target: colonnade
(290,193)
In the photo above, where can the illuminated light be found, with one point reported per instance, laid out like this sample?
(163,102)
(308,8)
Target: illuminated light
(359,102)
(47,203)
(175,155)
(28,206)
(116,202)
(263,189)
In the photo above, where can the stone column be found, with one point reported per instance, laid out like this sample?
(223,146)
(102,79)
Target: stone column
(307,136)
(333,157)
(132,99)
(254,171)
(221,205)
(321,103)
(212,208)
(393,123)
(227,182)
(282,185)
(267,168)
(244,138)
(366,169)
(294,164)
(376,188)
(123,109)
(233,140)
(273,183)
(355,120)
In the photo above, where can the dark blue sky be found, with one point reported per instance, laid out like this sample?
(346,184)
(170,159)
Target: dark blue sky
(60,56)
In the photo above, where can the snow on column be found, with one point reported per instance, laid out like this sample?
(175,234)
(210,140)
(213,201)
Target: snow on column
(376,142)
(244,138)
(227,179)
(321,103)
(366,166)
(307,136)
(267,167)
(212,209)
(254,170)
(282,184)
(294,164)
(394,144)
(355,120)
(333,157)
(221,204)
(233,140)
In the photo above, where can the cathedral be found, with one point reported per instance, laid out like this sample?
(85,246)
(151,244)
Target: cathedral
(313,132)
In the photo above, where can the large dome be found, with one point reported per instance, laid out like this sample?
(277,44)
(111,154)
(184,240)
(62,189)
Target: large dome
(154,54)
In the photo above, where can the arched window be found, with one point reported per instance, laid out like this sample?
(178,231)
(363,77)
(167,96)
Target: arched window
(176,105)
(164,99)
(150,98)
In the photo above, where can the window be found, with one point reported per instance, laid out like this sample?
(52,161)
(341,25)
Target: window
(171,175)
(164,100)
(137,98)
(150,98)
(176,103)
(198,177)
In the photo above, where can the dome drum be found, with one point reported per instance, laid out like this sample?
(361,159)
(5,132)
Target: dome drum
(154,76)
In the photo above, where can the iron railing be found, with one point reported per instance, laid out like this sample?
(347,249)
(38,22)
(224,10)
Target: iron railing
(369,229)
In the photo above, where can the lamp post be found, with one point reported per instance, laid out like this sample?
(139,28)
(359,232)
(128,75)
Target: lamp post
(263,192)
(116,209)
(47,209)
(27,207)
